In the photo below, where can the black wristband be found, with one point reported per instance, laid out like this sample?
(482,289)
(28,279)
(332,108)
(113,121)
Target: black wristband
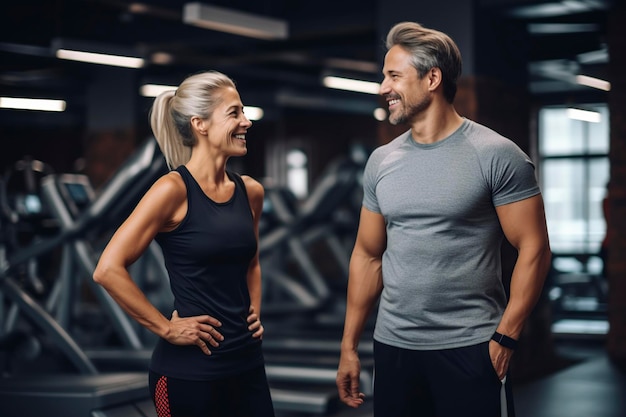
(504,340)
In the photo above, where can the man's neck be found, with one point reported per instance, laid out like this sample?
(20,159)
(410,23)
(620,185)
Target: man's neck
(436,124)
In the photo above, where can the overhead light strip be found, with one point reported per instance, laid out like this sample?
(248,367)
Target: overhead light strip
(153,90)
(350,84)
(235,22)
(557,28)
(584,115)
(593,82)
(32,104)
(103,59)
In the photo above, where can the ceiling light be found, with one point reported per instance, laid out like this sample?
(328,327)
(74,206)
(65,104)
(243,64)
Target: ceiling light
(32,104)
(103,59)
(600,56)
(553,8)
(232,21)
(153,90)
(380,114)
(253,113)
(95,58)
(161,58)
(138,8)
(593,82)
(350,84)
(96,53)
(584,115)
(555,28)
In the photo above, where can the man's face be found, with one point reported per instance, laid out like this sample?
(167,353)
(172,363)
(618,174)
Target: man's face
(407,95)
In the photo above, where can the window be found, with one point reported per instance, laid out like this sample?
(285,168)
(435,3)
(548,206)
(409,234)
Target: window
(574,165)
(297,173)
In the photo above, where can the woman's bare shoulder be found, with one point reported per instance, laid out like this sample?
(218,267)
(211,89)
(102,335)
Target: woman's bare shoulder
(167,191)
(253,187)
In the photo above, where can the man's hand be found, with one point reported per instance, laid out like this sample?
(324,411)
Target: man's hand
(500,358)
(348,379)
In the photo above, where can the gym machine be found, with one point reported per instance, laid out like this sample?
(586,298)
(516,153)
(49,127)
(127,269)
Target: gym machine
(85,392)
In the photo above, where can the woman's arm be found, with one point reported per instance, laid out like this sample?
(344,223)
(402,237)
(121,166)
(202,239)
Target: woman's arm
(256,195)
(160,209)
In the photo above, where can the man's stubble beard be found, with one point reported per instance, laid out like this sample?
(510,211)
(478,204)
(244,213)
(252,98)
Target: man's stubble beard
(408,113)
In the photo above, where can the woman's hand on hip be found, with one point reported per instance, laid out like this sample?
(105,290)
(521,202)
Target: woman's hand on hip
(195,330)
(254,324)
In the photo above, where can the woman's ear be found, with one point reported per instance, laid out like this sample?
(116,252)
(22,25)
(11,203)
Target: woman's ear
(198,125)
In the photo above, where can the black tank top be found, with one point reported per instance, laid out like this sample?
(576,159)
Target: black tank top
(207,258)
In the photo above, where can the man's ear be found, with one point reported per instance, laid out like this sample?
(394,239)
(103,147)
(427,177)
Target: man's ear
(435,77)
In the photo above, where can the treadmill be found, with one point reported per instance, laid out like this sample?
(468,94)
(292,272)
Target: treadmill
(86,392)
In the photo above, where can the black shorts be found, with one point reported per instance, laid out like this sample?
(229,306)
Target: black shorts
(244,395)
(442,383)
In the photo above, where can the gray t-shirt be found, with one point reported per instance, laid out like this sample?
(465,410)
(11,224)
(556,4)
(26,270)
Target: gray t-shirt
(441,268)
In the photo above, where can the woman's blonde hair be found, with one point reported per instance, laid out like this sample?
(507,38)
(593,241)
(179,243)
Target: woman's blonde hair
(171,113)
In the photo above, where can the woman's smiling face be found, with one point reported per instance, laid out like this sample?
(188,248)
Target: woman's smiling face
(228,124)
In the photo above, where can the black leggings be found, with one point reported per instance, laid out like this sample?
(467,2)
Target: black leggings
(243,395)
(443,383)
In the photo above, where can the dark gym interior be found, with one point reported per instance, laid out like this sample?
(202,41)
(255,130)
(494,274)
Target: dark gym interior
(549,74)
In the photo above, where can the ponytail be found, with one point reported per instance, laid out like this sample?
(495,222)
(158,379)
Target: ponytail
(173,145)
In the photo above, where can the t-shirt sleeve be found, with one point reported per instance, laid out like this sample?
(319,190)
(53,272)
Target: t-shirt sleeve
(512,175)
(370,178)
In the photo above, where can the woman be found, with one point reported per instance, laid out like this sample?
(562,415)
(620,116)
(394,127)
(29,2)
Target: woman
(208,360)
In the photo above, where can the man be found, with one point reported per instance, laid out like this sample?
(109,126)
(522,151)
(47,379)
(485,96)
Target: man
(438,200)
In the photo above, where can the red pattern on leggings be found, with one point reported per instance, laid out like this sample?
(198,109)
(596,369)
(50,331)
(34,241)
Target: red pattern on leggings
(161,398)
